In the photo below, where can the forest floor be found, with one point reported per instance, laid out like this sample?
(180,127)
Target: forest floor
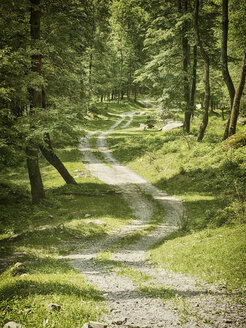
(137,292)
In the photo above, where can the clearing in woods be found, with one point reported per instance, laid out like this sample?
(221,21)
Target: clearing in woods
(137,293)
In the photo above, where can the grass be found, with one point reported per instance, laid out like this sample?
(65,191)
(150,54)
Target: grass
(36,235)
(211,182)
(215,255)
(143,282)
(26,292)
(74,206)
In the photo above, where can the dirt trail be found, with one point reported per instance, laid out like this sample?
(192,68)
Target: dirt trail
(187,302)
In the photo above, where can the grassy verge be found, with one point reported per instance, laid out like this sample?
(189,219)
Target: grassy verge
(209,178)
(35,235)
(215,255)
(26,292)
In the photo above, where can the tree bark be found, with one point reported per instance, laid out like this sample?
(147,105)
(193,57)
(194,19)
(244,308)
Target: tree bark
(237,98)
(48,152)
(51,157)
(37,189)
(135,93)
(224,60)
(193,86)
(186,59)
(206,73)
(90,67)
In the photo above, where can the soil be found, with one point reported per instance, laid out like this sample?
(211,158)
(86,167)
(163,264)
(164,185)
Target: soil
(189,302)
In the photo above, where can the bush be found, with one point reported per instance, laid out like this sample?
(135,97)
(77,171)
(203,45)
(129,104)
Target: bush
(236,141)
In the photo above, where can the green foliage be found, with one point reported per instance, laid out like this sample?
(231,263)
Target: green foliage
(210,181)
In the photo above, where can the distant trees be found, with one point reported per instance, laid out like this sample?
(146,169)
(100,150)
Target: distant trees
(173,70)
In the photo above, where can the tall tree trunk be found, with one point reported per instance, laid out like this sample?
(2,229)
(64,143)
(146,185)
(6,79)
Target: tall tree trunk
(121,67)
(135,93)
(37,189)
(90,68)
(92,38)
(237,98)
(186,59)
(206,73)
(193,86)
(51,157)
(224,60)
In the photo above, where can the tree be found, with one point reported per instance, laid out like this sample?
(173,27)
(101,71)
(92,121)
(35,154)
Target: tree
(235,97)
(206,72)
(49,154)
(224,59)
(186,63)
(25,120)
(128,26)
(37,189)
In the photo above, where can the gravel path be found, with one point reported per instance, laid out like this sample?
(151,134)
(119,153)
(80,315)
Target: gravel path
(162,298)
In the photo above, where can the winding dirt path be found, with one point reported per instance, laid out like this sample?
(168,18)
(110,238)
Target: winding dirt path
(161,298)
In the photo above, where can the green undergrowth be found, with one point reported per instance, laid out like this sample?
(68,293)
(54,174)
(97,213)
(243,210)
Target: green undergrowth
(70,212)
(210,179)
(215,255)
(36,235)
(26,292)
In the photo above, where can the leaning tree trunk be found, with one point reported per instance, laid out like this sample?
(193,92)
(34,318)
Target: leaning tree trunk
(37,189)
(48,152)
(237,98)
(206,73)
(51,157)
(224,60)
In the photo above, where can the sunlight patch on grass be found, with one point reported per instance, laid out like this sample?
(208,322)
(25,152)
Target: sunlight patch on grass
(25,296)
(215,255)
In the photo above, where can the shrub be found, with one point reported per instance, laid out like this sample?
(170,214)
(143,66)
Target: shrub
(236,141)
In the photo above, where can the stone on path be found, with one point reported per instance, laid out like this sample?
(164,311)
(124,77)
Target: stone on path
(99,222)
(94,324)
(12,324)
(54,307)
(143,126)
(119,322)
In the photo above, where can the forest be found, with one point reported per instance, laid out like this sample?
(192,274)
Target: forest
(122,150)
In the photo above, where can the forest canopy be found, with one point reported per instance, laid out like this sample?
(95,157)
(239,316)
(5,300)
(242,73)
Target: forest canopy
(60,57)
